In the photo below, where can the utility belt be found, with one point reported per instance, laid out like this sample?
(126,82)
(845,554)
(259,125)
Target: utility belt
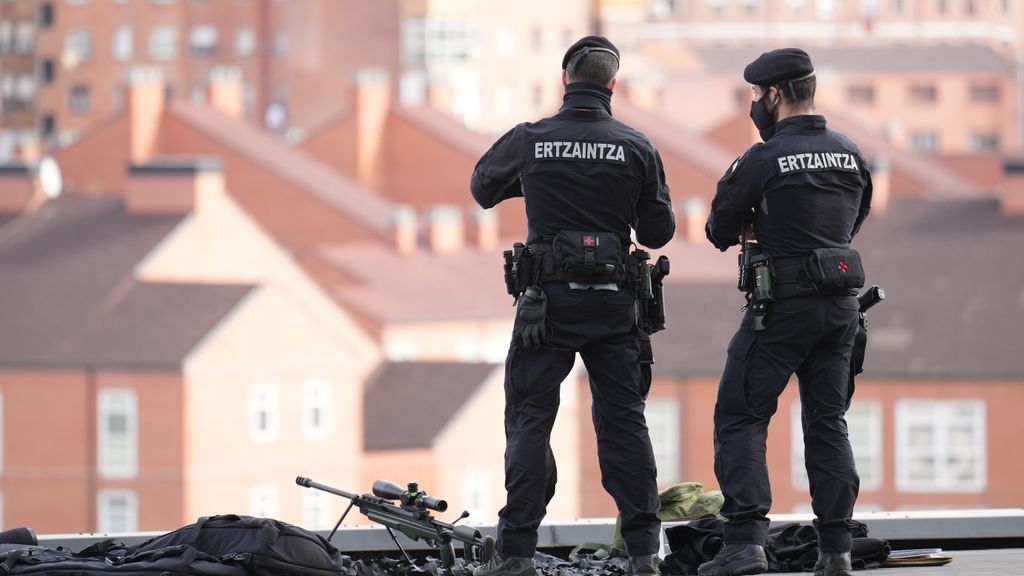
(590,260)
(821,271)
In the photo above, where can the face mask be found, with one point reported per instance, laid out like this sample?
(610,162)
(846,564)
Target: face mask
(763,117)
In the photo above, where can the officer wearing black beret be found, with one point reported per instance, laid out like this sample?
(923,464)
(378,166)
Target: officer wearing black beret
(794,203)
(587,180)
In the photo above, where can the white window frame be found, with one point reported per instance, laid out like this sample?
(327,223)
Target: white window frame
(475,491)
(78,41)
(122,43)
(941,415)
(105,518)
(662,415)
(868,450)
(244,42)
(163,43)
(202,40)
(113,461)
(317,398)
(316,510)
(263,399)
(264,501)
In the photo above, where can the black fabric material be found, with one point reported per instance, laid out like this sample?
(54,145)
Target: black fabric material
(580,170)
(264,546)
(169,561)
(617,184)
(780,65)
(600,326)
(789,547)
(813,337)
(588,42)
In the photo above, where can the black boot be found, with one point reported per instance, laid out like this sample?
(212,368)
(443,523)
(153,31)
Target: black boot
(833,564)
(645,565)
(736,560)
(511,566)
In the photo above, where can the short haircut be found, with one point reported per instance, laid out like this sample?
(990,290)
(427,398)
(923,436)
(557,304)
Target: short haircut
(802,92)
(596,68)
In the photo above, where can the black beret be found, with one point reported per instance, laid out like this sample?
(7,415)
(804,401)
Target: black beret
(777,66)
(594,43)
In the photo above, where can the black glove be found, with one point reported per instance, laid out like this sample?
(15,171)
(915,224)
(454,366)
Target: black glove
(531,328)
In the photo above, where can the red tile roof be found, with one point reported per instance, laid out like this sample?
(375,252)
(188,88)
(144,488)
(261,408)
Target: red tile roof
(331,187)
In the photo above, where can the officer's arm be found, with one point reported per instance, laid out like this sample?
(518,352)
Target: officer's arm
(738,193)
(496,176)
(655,222)
(865,200)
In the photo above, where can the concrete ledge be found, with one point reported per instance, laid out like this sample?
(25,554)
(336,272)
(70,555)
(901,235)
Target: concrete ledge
(938,526)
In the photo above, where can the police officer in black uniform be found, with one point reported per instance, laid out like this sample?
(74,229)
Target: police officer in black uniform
(587,179)
(802,195)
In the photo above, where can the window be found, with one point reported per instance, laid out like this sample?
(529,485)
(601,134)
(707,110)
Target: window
(77,44)
(716,6)
(118,511)
(658,9)
(663,423)
(46,70)
(1,444)
(940,445)
(263,501)
(6,35)
(985,93)
(24,37)
(475,491)
(864,422)
(245,42)
(279,47)
(536,40)
(941,6)
(316,510)
(202,40)
(316,408)
(897,7)
(263,413)
(972,7)
(796,6)
(861,95)
(750,6)
(46,125)
(826,9)
(923,93)
(122,43)
(117,421)
(46,15)
(924,141)
(163,43)
(983,142)
(78,99)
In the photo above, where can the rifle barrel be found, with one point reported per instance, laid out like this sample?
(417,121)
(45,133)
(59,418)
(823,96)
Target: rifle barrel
(306,482)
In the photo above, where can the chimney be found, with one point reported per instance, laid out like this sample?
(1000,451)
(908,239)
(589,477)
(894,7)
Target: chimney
(225,91)
(372,103)
(881,181)
(145,109)
(1011,201)
(405,232)
(485,229)
(172,185)
(695,216)
(444,232)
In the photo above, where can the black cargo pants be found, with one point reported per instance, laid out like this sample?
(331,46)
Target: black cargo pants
(599,324)
(813,337)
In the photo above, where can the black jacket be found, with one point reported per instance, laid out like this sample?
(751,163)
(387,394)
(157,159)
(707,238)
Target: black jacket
(579,170)
(806,187)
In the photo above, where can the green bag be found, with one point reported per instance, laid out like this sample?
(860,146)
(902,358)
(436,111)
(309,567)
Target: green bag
(685,501)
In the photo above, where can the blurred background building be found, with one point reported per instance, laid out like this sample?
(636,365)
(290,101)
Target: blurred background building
(237,245)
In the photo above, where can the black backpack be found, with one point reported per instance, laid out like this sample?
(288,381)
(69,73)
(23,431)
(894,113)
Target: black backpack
(264,546)
(24,560)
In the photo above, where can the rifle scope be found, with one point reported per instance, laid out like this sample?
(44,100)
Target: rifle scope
(411,497)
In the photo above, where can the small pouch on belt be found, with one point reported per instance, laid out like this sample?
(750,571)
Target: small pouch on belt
(588,256)
(835,269)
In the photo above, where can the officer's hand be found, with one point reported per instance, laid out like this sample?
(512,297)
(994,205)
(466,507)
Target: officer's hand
(531,326)
(749,233)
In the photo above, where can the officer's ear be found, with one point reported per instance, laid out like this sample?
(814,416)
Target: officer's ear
(565,78)
(611,85)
